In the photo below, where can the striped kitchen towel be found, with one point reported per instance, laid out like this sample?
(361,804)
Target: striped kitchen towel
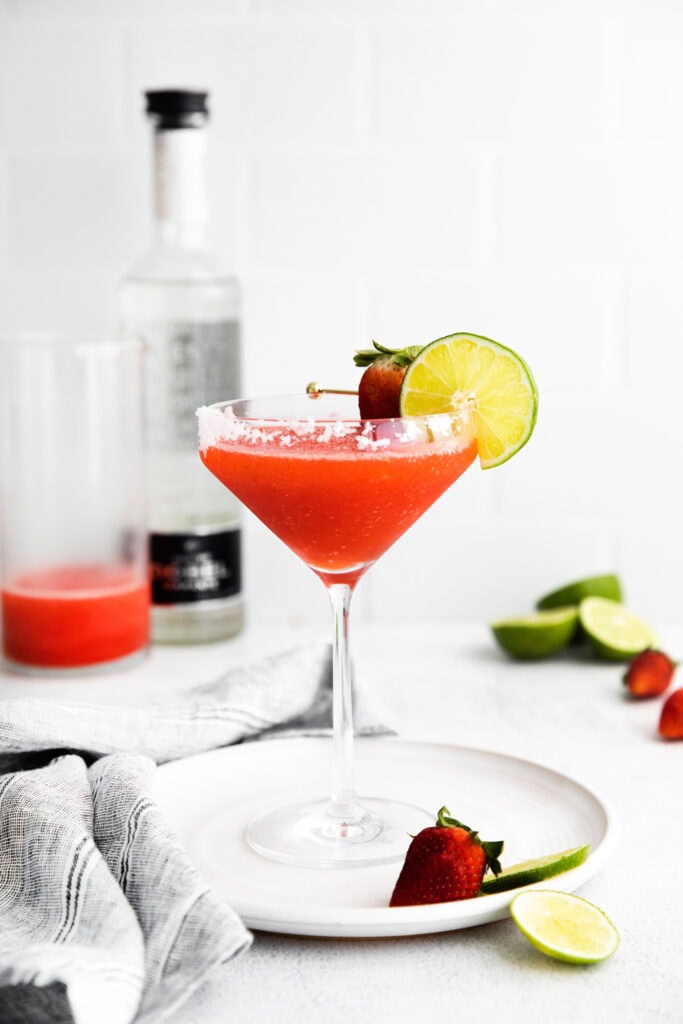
(103,917)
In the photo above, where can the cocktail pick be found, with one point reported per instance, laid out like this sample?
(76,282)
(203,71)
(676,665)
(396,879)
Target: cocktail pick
(314,390)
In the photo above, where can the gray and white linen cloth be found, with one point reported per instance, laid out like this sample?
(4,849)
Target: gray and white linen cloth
(103,917)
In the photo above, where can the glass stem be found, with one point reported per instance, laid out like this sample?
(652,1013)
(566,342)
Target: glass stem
(344,804)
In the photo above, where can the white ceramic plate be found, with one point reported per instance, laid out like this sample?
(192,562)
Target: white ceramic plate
(209,799)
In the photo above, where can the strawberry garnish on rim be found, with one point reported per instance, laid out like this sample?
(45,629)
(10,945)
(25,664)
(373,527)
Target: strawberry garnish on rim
(380,385)
(445,862)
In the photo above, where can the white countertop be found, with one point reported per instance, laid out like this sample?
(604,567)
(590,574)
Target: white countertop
(450,684)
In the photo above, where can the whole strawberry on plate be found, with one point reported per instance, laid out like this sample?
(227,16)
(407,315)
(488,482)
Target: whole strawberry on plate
(380,385)
(445,862)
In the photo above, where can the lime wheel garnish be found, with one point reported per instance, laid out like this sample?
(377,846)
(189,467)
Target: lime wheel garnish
(467,371)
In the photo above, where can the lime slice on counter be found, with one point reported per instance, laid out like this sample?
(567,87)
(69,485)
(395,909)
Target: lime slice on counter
(529,871)
(574,593)
(537,635)
(564,926)
(468,371)
(615,632)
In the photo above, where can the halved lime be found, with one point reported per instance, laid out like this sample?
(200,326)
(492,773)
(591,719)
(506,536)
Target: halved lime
(574,593)
(536,870)
(615,632)
(468,371)
(564,926)
(537,635)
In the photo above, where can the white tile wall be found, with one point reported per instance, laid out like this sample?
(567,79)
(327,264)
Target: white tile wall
(510,79)
(398,169)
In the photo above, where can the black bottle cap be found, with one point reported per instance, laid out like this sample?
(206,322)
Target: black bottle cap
(177,108)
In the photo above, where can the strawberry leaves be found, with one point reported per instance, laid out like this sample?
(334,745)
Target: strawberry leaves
(400,356)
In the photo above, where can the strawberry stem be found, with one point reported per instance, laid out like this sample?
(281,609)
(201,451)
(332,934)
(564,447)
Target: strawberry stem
(444,820)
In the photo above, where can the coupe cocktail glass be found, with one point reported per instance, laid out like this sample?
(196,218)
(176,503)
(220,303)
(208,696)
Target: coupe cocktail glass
(338,491)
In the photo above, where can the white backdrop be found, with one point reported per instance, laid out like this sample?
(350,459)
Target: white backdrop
(398,169)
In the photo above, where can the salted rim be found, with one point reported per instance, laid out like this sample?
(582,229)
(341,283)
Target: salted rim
(218,423)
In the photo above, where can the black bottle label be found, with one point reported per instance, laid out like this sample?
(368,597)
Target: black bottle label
(190,567)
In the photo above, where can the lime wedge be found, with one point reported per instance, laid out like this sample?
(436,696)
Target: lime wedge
(564,926)
(615,632)
(537,870)
(537,635)
(468,371)
(574,593)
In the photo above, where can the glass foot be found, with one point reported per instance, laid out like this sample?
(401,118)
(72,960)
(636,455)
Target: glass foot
(316,834)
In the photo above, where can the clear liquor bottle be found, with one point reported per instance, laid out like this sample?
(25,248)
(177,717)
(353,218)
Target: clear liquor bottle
(187,312)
